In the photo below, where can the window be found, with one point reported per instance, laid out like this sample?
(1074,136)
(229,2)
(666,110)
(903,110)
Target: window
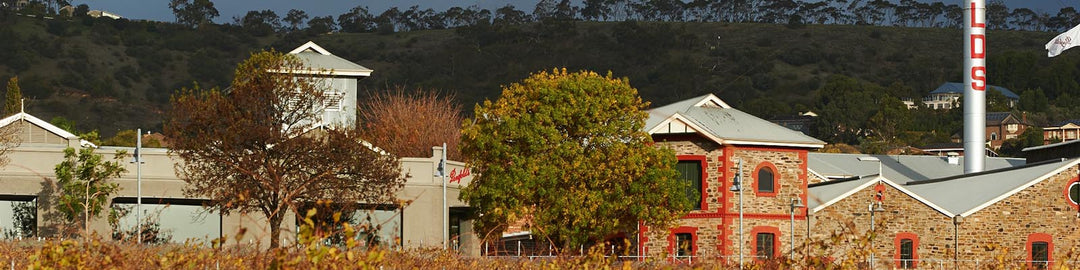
(333,101)
(690,171)
(1039,254)
(766,244)
(993,136)
(907,251)
(1012,128)
(766,179)
(684,243)
(1040,250)
(1073,192)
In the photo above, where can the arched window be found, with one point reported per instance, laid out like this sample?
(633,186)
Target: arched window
(907,250)
(993,136)
(766,179)
(1040,247)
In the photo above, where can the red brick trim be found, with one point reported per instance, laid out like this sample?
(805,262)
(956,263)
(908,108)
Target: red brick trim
(693,239)
(1041,237)
(746,215)
(704,177)
(914,248)
(643,237)
(775,183)
(1066,192)
(753,240)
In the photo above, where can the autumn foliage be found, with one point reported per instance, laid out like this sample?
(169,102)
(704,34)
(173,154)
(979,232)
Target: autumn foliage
(409,124)
(263,147)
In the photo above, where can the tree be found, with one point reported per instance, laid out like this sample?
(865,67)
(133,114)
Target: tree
(321,25)
(261,147)
(127,138)
(295,18)
(408,125)
(193,12)
(13,97)
(85,186)
(261,23)
(357,20)
(567,150)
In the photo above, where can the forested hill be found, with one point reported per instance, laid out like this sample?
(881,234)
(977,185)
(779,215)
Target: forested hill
(117,74)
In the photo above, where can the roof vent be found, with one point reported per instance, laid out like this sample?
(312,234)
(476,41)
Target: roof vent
(954,158)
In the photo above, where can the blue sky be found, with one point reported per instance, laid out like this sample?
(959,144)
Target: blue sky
(159,9)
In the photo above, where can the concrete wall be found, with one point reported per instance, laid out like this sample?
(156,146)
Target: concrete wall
(31,174)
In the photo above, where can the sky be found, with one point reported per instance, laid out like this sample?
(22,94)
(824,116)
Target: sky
(158,10)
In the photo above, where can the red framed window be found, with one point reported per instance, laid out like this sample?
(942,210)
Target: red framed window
(765,243)
(692,171)
(683,242)
(766,180)
(1072,192)
(1040,250)
(907,251)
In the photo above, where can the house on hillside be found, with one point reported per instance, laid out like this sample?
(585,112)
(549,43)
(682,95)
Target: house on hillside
(1067,130)
(803,122)
(948,94)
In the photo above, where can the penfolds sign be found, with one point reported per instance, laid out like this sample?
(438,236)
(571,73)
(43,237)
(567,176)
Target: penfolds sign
(456,175)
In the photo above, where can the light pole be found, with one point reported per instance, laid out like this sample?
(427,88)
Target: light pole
(873,207)
(137,159)
(796,203)
(736,186)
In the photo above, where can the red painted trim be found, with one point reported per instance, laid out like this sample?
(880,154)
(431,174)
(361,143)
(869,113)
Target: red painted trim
(725,189)
(775,183)
(753,241)
(798,216)
(643,237)
(704,178)
(914,249)
(684,229)
(1041,237)
(1066,192)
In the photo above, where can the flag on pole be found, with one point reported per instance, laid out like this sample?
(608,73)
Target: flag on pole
(1063,42)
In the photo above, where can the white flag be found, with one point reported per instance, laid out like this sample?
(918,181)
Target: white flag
(1063,42)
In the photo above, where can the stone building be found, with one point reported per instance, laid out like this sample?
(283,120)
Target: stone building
(715,144)
(926,213)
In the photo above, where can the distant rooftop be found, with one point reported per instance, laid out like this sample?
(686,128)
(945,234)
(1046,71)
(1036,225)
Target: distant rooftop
(958,88)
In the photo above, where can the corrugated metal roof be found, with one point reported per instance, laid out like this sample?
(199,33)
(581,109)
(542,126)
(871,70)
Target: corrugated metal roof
(963,194)
(329,62)
(823,193)
(958,88)
(727,123)
(900,169)
(322,62)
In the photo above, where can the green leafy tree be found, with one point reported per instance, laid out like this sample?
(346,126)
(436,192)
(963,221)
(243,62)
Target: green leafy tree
(261,147)
(566,151)
(13,97)
(84,180)
(193,12)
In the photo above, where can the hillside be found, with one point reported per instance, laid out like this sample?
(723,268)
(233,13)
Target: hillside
(116,75)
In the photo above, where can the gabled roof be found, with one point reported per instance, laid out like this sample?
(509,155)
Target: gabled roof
(23,116)
(958,88)
(901,169)
(714,119)
(980,190)
(1074,122)
(945,189)
(322,62)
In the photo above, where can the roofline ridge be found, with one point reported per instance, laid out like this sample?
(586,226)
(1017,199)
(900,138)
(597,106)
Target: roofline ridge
(954,177)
